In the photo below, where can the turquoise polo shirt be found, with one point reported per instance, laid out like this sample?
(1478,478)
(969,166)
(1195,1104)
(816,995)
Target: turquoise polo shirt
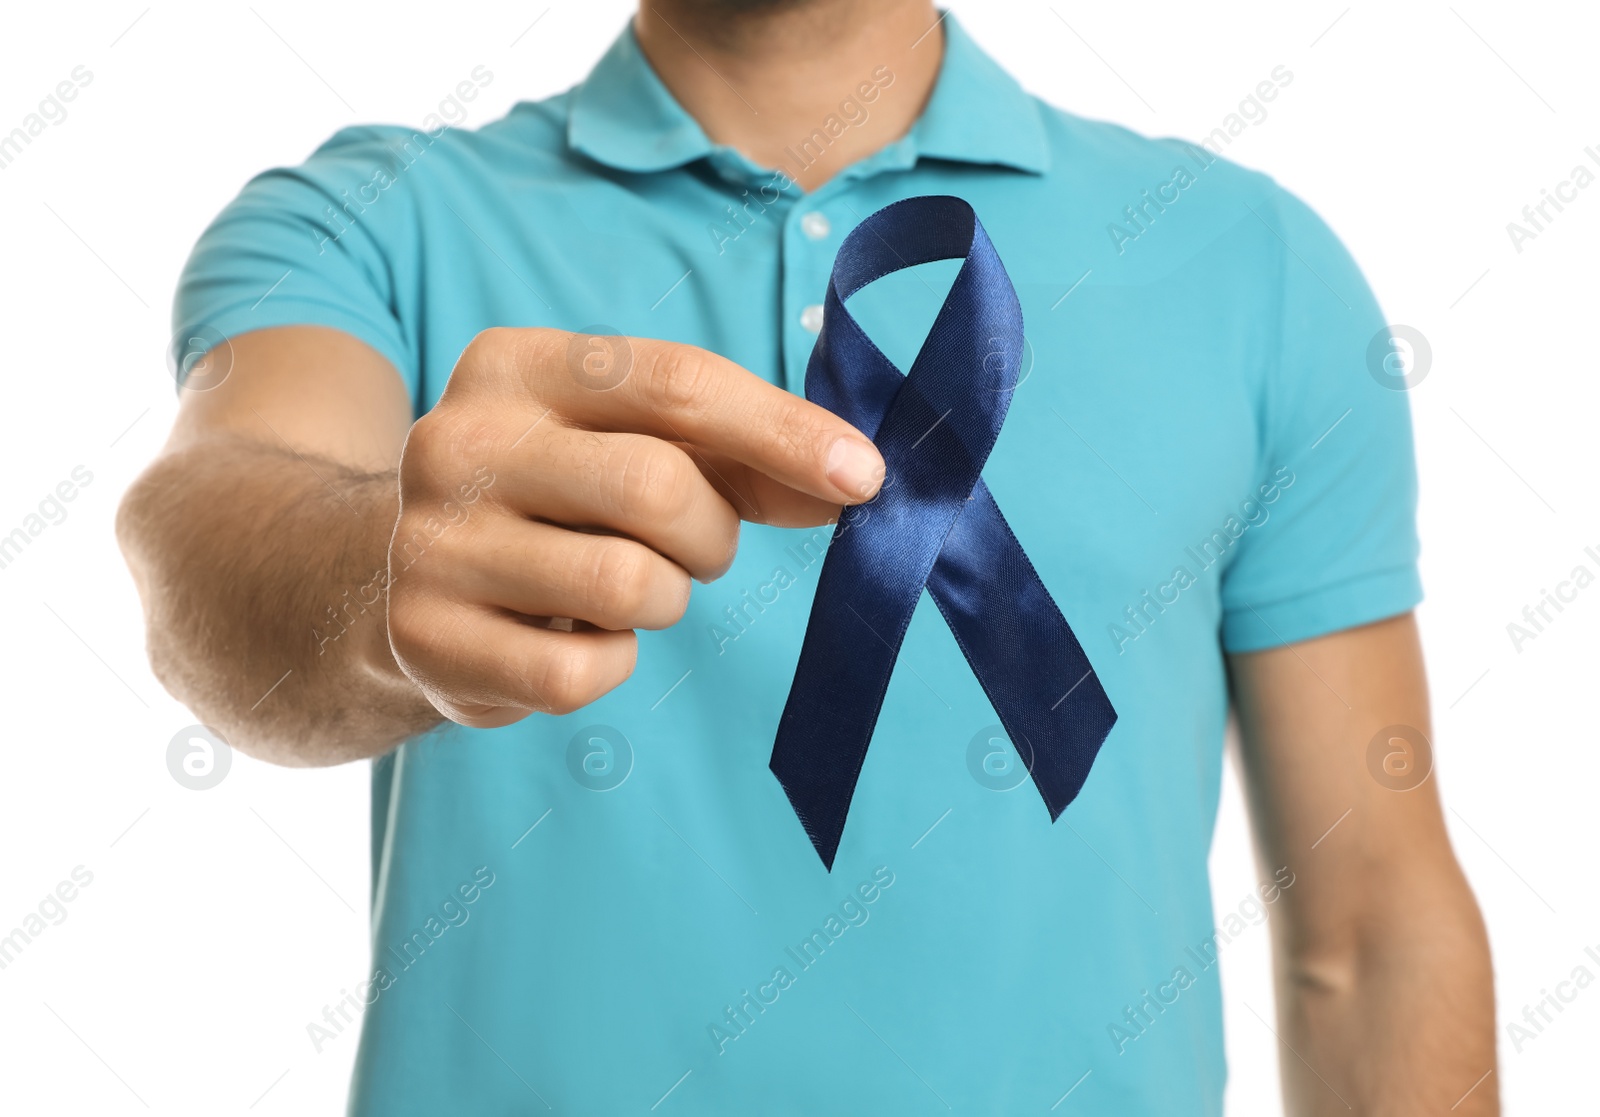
(616,911)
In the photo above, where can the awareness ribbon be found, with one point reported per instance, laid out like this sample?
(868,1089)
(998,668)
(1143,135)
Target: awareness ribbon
(932,524)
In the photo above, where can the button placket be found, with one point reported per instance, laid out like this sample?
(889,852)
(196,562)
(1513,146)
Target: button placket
(808,259)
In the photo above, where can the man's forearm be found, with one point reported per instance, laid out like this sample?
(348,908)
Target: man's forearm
(264,575)
(1385,992)
(1401,1020)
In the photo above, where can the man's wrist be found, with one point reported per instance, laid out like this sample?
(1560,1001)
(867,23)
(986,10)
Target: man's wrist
(366,624)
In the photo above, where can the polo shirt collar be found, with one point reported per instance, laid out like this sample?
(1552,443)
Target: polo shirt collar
(624,117)
(978,113)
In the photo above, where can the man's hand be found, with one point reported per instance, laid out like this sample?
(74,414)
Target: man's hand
(317,596)
(1385,996)
(601,504)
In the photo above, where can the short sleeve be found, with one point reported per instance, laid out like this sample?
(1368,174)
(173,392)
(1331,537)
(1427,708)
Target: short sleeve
(1337,546)
(316,244)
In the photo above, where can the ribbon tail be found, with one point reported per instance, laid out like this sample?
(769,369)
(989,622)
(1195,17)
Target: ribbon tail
(1022,651)
(828,720)
(858,623)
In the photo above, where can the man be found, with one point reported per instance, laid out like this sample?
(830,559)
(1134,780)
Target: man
(406,515)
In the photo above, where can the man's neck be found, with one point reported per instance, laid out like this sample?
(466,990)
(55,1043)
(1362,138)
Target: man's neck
(807,87)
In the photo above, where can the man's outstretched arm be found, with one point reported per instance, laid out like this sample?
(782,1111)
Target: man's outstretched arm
(1385,991)
(276,494)
(323,578)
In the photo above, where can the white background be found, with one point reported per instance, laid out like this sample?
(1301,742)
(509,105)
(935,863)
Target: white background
(219,924)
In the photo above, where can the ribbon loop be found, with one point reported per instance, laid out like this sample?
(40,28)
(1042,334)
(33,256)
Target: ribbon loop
(934,525)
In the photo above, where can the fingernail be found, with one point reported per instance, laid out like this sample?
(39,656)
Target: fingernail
(855,467)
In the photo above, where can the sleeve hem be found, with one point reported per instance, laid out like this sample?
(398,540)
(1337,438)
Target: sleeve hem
(242,319)
(1346,604)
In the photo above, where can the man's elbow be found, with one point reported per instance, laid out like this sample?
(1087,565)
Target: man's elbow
(1397,922)
(164,545)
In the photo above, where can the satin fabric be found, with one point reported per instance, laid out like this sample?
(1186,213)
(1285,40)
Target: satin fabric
(934,525)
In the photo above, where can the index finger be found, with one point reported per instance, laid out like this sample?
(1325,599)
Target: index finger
(686,394)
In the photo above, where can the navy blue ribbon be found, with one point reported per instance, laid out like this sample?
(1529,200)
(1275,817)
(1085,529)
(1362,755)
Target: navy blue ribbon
(933,524)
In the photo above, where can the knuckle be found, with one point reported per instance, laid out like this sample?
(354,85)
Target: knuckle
(448,443)
(427,448)
(424,439)
(535,352)
(681,377)
(506,355)
(490,340)
(620,583)
(429,647)
(407,629)
(486,354)
(417,535)
(565,680)
(477,439)
(652,482)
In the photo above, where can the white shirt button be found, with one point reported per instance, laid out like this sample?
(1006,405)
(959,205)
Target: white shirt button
(815,225)
(811,317)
